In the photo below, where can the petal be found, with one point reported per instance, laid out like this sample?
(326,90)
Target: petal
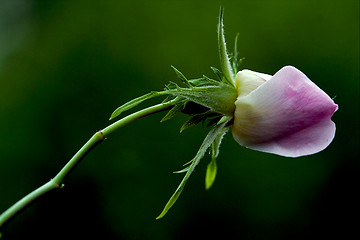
(247,81)
(287,115)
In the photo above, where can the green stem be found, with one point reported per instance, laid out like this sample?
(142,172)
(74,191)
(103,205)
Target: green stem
(25,201)
(57,181)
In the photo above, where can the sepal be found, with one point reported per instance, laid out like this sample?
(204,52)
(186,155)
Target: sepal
(218,73)
(201,118)
(226,67)
(211,169)
(182,77)
(219,98)
(178,107)
(208,141)
(133,103)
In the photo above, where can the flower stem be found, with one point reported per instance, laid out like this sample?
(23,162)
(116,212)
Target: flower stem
(57,181)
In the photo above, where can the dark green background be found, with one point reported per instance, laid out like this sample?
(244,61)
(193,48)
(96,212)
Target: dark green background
(66,65)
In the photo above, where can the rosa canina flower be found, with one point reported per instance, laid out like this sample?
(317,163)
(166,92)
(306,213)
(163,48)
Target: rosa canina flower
(284,114)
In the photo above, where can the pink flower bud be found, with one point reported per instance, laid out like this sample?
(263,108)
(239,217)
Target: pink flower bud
(284,114)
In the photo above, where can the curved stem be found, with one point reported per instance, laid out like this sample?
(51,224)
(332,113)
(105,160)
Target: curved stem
(97,138)
(22,203)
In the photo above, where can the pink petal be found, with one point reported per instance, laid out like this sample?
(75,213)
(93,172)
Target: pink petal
(287,115)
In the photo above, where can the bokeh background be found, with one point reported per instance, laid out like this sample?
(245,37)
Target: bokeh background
(66,65)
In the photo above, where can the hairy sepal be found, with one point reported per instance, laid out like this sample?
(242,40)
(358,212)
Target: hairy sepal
(219,98)
(178,107)
(225,64)
(133,103)
(208,141)
(211,169)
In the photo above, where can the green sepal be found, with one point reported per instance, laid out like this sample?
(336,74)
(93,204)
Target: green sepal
(217,73)
(183,170)
(235,59)
(211,169)
(224,119)
(174,110)
(225,64)
(210,117)
(133,103)
(213,120)
(182,77)
(194,120)
(171,86)
(203,82)
(220,98)
(209,139)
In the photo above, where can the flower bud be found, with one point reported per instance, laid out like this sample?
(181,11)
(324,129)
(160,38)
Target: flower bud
(284,114)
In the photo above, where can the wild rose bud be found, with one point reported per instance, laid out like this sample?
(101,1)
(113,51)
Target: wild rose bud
(284,114)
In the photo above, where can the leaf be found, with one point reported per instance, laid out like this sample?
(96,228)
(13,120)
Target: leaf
(219,139)
(217,72)
(210,173)
(193,121)
(174,110)
(212,120)
(201,117)
(171,86)
(211,81)
(224,118)
(174,197)
(235,60)
(133,103)
(204,81)
(212,166)
(209,139)
(183,170)
(225,64)
(182,77)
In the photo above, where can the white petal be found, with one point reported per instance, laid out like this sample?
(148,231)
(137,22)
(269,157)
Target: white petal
(247,81)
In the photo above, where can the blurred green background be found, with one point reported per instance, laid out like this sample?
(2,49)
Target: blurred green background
(66,65)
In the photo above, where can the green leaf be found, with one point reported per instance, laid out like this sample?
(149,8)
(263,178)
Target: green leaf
(217,72)
(209,139)
(211,81)
(235,60)
(219,139)
(182,77)
(224,118)
(210,173)
(212,166)
(204,81)
(209,116)
(171,86)
(133,103)
(193,121)
(174,110)
(225,64)
(212,120)
(183,170)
